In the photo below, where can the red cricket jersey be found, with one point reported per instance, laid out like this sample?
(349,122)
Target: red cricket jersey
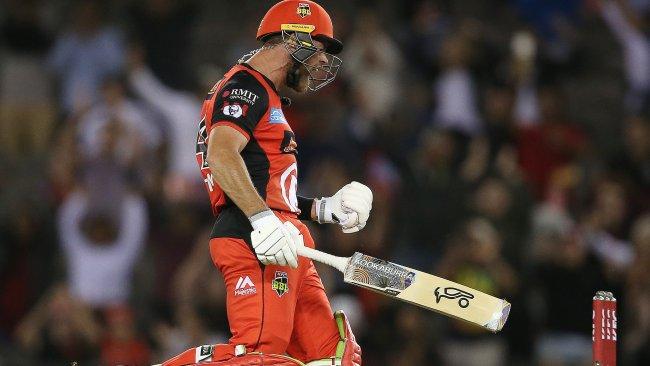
(247,101)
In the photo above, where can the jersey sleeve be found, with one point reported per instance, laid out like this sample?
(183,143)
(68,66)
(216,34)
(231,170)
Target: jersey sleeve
(240,104)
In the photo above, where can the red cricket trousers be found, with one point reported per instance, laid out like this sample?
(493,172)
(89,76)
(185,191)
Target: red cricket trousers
(274,309)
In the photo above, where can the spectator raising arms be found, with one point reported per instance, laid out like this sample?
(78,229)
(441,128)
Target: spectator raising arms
(102,233)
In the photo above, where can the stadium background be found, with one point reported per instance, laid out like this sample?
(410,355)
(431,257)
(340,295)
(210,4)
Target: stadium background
(507,144)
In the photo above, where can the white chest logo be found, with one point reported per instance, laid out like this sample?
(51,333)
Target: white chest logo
(233,110)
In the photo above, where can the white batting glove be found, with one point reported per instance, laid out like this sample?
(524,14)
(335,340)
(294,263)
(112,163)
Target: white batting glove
(295,234)
(349,207)
(273,241)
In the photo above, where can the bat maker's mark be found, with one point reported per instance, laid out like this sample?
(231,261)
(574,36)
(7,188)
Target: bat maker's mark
(454,293)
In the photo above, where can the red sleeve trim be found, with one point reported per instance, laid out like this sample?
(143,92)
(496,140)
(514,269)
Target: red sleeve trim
(232,125)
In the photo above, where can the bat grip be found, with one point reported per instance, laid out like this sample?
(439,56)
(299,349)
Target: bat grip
(339,263)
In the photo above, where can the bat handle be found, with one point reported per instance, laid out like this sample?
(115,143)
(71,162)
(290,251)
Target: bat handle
(339,263)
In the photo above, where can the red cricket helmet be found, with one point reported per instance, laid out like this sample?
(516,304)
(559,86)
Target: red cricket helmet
(302,16)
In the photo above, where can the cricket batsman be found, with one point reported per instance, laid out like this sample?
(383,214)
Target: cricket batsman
(277,308)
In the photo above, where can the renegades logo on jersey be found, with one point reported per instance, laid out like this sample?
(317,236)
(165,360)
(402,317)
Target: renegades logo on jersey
(280,283)
(235,109)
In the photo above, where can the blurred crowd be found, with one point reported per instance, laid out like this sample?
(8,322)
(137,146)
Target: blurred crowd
(507,143)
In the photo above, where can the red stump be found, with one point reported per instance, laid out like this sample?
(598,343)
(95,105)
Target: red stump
(603,331)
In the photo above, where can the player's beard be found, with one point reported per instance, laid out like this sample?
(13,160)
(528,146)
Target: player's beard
(298,77)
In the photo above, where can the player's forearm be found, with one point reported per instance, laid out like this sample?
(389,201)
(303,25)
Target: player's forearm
(230,173)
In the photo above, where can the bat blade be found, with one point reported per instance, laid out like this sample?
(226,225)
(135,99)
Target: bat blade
(428,291)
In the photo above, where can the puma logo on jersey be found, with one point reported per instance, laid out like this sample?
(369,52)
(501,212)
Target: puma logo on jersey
(245,286)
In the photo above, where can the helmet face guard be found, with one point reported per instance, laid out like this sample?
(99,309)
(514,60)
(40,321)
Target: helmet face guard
(301,47)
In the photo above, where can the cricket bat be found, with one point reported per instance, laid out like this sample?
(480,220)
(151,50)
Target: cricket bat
(416,287)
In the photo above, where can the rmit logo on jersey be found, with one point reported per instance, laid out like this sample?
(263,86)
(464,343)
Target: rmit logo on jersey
(245,286)
(244,95)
